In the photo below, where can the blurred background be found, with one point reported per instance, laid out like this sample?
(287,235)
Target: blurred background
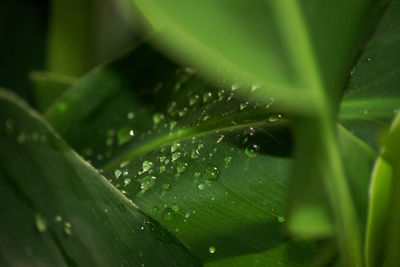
(62,37)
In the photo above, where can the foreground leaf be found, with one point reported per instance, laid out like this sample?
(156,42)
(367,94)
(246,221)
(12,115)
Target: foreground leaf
(56,210)
(282,44)
(367,108)
(383,235)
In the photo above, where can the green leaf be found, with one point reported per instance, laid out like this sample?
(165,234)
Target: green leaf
(205,163)
(301,52)
(309,214)
(296,48)
(48,86)
(367,107)
(372,97)
(57,210)
(383,235)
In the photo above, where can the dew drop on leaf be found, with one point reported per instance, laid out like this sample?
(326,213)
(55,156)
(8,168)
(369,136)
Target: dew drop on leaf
(40,221)
(117,173)
(281,219)
(193,100)
(68,228)
(252,150)
(124,134)
(162,168)
(211,172)
(147,182)
(166,187)
(168,214)
(228,159)
(243,105)
(130,115)
(182,166)
(175,156)
(58,218)
(10,126)
(207,96)
(21,138)
(211,249)
(174,147)
(175,207)
(157,117)
(275,118)
(147,165)
(127,181)
(201,186)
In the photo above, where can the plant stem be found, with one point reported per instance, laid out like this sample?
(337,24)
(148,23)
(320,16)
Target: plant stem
(69,37)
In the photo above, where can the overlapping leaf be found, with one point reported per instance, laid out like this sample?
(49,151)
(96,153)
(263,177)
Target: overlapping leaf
(57,210)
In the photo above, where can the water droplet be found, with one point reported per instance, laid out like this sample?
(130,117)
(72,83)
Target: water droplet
(235,87)
(147,165)
(193,100)
(207,96)
(175,156)
(130,115)
(211,249)
(172,125)
(168,214)
(21,138)
(117,173)
(147,182)
(182,112)
(201,186)
(127,181)
(197,175)
(275,118)
(68,228)
(162,168)
(58,218)
(106,210)
(40,221)
(175,207)
(228,159)
(251,150)
(155,209)
(174,147)
(157,117)
(281,219)
(254,87)
(10,123)
(166,187)
(181,167)
(243,105)
(124,134)
(211,172)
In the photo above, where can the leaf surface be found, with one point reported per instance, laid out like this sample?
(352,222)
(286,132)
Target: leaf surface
(157,132)
(57,210)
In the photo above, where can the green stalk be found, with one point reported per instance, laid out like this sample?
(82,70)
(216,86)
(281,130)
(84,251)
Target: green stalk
(70,37)
(323,130)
